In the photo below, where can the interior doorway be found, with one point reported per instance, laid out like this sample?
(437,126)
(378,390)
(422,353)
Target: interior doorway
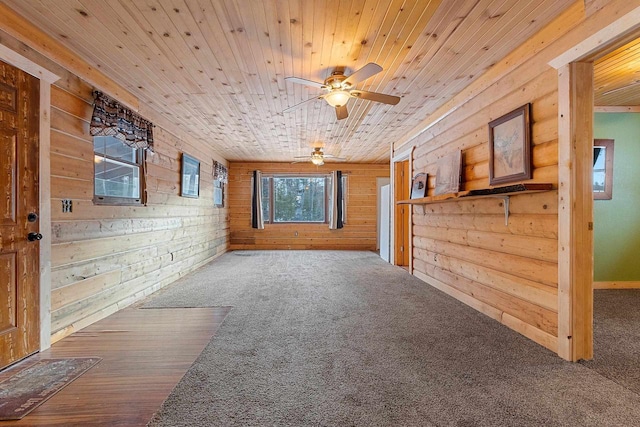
(19,215)
(401,232)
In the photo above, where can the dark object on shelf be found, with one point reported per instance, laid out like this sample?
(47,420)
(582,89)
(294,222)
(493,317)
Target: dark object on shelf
(419,185)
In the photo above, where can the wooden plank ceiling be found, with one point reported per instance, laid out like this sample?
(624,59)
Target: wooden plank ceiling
(617,77)
(216,68)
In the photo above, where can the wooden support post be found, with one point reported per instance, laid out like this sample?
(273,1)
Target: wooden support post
(575,210)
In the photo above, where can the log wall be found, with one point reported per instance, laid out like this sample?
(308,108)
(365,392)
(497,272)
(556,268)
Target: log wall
(359,233)
(464,248)
(106,257)
(508,272)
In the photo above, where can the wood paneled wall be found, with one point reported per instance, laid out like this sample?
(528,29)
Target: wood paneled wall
(359,233)
(509,272)
(106,257)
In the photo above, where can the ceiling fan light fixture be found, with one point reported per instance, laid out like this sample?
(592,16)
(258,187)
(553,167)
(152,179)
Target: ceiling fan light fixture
(317,159)
(337,98)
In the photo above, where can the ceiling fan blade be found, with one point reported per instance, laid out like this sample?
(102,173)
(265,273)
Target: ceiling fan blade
(300,161)
(375,96)
(305,82)
(341,112)
(363,74)
(293,107)
(339,159)
(301,157)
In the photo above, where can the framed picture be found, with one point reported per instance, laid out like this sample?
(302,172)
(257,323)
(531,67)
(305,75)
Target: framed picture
(218,193)
(190,182)
(448,174)
(419,186)
(510,147)
(603,169)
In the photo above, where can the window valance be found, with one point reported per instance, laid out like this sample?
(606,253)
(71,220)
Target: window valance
(220,172)
(110,118)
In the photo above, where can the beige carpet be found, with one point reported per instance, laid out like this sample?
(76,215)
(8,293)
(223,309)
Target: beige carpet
(329,338)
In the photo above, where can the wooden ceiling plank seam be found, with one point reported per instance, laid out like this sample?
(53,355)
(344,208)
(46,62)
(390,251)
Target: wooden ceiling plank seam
(354,18)
(16,23)
(228,30)
(44,9)
(274,63)
(280,40)
(171,43)
(461,37)
(458,67)
(225,17)
(515,58)
(189,31)
(462,86)
(450,31)
(265,65)
(213,31)
(161,33)
(112,19)
(393,65)
(211,28)
(344,136)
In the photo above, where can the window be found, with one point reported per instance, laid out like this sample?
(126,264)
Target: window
(602,169)
(294,199)
(218,193)
(118,174)
(288,199)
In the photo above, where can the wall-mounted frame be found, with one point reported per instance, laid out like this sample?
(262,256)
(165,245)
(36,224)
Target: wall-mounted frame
(448,174)
(510,147)
(419,185)
(603,169)
(190,182)
(218,193)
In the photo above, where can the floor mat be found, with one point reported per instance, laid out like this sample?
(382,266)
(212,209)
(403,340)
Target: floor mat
(29,387)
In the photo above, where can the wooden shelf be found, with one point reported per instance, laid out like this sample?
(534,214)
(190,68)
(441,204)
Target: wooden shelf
(496,192)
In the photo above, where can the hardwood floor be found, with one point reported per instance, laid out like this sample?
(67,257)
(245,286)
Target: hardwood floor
(145,353)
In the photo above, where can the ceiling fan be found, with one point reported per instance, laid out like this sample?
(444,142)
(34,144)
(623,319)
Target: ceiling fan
(317,157)
(339,88)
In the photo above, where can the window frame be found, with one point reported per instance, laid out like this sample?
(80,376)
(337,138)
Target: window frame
(271,204)
(218,188)
(141,159)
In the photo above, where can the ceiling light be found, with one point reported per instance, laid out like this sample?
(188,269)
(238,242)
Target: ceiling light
(337,98)
(317,159)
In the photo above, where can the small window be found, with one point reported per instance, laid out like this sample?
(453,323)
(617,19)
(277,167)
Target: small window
(118,177)
(218,193)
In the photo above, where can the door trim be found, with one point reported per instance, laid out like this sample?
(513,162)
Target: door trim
(575,198)
(46,78)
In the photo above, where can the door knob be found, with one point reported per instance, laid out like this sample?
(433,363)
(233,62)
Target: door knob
(32,237)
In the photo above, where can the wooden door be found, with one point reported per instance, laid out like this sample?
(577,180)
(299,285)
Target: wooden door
(401,191)
(19,265)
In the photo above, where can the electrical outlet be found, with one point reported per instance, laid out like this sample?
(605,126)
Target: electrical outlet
(67,205)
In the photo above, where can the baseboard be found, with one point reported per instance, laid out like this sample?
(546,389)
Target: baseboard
(617,285)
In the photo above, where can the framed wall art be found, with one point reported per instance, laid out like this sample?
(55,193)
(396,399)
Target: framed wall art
(510,147)
(190,180)
(448,174)
(419,186)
